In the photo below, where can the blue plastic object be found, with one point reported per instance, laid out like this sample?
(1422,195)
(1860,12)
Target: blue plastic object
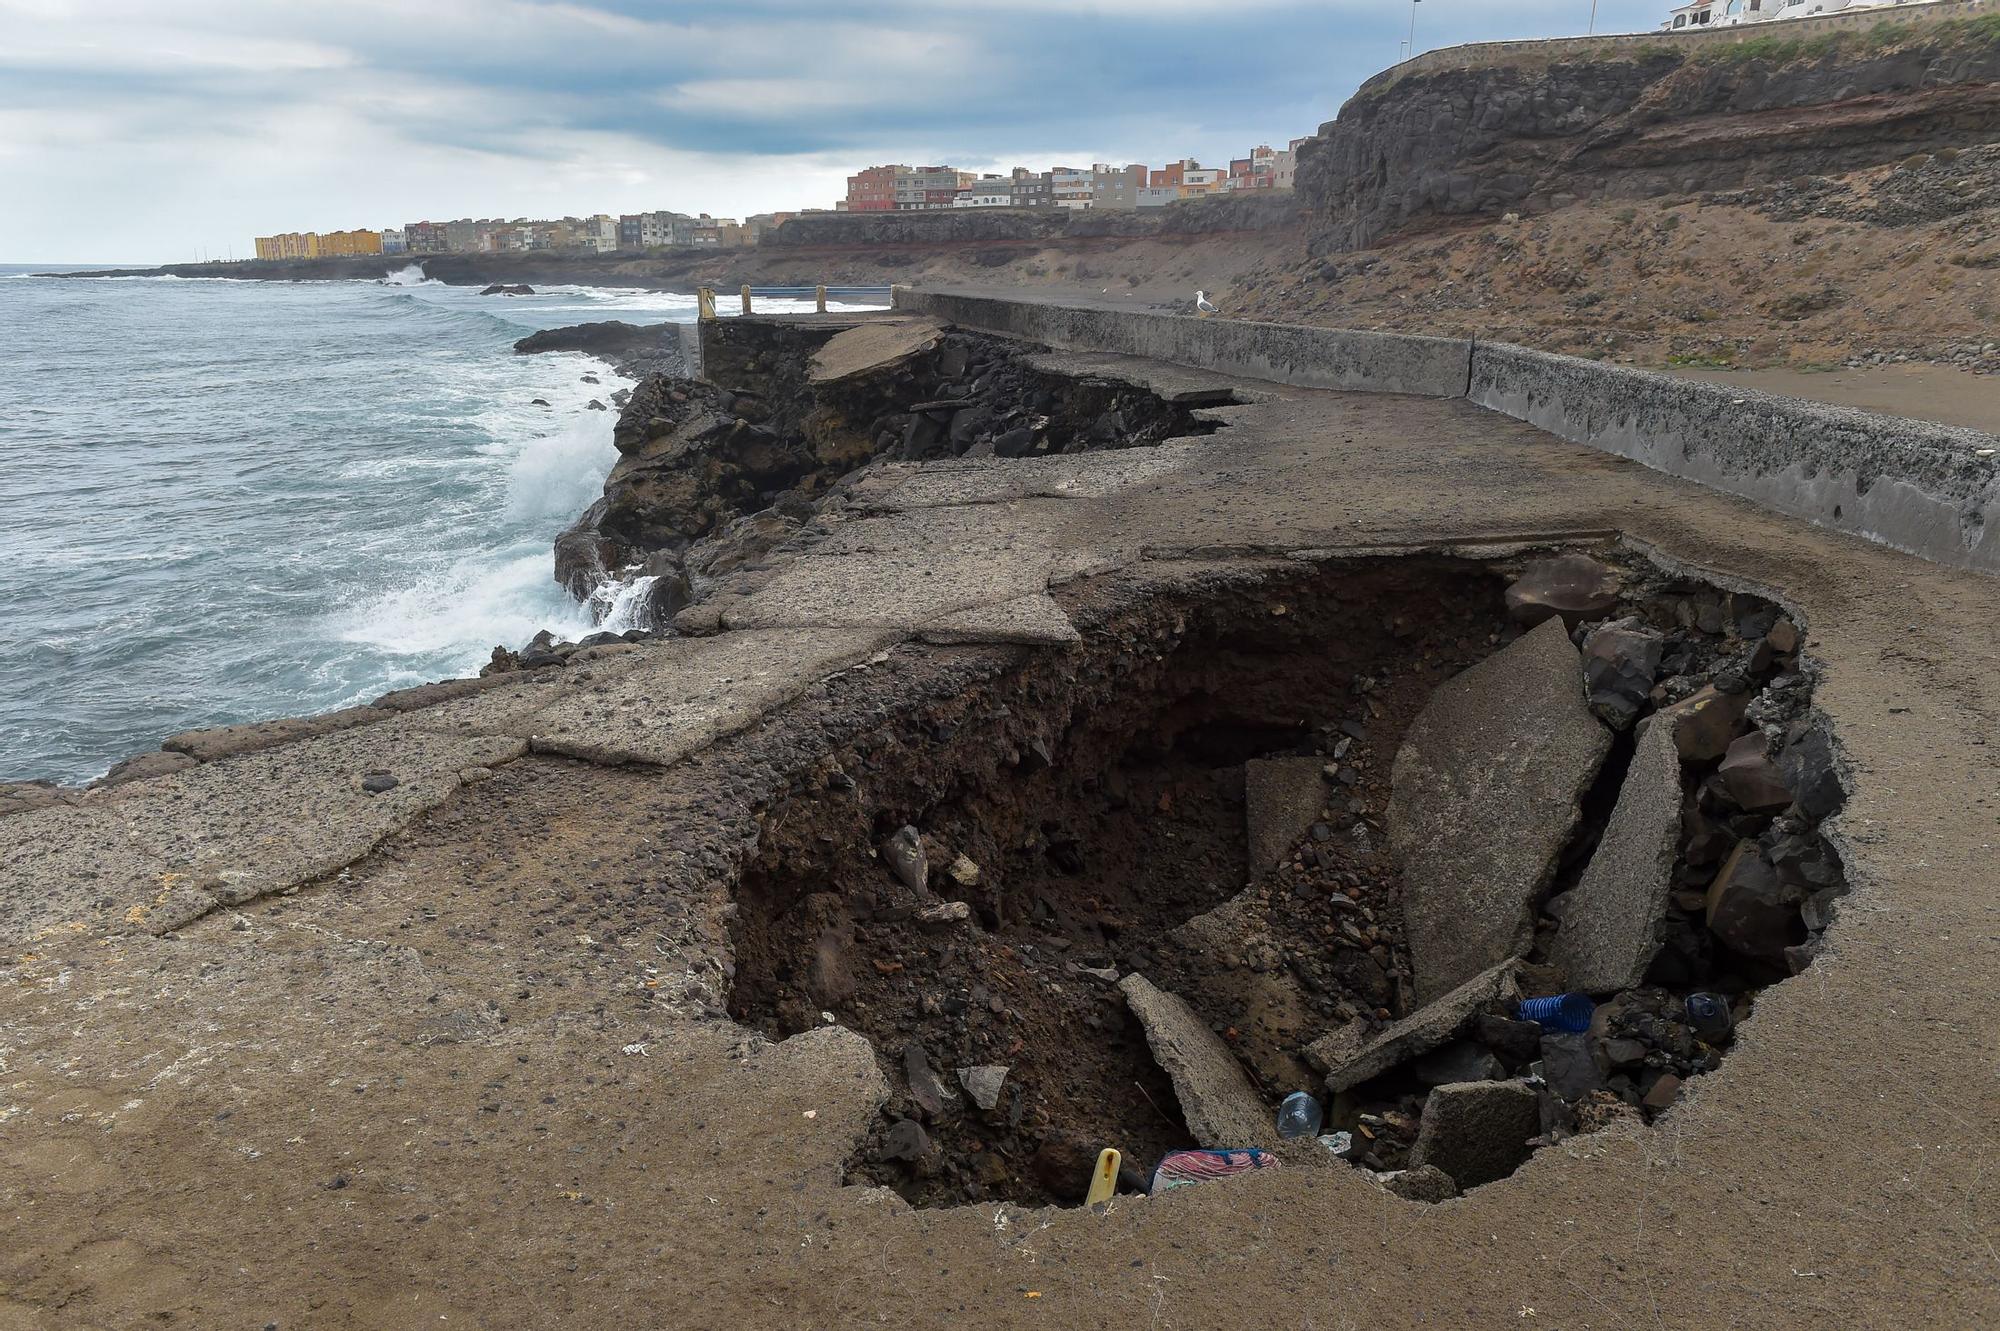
(1563,1012)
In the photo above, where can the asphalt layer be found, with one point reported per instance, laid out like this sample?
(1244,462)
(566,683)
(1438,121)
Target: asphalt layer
(462,1058)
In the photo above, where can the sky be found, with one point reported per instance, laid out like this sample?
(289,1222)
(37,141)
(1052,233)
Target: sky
(149,131)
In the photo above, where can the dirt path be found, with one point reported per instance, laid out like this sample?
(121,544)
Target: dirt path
(1919,391)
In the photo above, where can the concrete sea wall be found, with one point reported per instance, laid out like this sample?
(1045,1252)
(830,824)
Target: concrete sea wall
(1283,353)
(1931,490)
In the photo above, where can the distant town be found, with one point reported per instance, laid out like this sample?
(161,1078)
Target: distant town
(878,189)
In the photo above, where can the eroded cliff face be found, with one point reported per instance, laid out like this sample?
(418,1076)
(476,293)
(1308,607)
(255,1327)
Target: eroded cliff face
(1640,122)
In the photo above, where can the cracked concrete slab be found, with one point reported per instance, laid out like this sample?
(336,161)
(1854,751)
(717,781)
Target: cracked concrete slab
(684,693)
(1222,1108)
(1487,788)
(1610,931)
(229,831)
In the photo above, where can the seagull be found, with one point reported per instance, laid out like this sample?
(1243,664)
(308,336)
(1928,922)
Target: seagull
(1202,304)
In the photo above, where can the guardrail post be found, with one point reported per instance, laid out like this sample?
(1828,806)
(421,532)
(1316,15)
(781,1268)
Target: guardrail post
(746,300)
(819,296)
(704,303)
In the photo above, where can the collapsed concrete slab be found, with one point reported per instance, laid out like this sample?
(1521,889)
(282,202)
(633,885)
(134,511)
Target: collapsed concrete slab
(1477,1131)
(1352,1055)
(873,346)
(1223,1111)
(1282,798)
(1486,792)
(1610,931)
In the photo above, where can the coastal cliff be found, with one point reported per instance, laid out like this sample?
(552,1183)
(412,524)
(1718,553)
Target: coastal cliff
(1532,129)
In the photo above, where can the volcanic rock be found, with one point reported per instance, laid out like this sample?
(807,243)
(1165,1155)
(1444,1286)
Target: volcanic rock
(1485,794)
(1751,778)
(1620,662)
(1462,1061)
(1576,587)
(1705,722)
(1751,909)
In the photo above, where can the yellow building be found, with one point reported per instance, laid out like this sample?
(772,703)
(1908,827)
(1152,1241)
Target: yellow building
(312,245)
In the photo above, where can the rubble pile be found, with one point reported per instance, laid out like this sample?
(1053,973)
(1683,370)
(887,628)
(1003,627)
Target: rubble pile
(1483,863)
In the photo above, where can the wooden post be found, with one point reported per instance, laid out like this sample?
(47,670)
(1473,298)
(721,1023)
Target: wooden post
(819,296)
(746,299)
(704,303)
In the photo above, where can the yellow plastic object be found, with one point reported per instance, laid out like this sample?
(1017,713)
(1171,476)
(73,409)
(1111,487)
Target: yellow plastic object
(1103,1179)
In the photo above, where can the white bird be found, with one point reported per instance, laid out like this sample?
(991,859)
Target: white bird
(1202,304)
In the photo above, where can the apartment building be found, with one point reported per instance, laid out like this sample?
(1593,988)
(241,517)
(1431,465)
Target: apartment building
(424,237)
(1030,189)
(986,192)
(929,187)
(873,190)
(315,245)
(392,240)
(1116,187)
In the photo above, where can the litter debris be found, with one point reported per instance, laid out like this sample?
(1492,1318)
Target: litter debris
(1104,1178)
(1559,1012)
(1182,1169)
(1299,1115)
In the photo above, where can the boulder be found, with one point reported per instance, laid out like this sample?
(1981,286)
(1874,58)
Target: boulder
(1750,778)
(908,1143)
(1752,910)
(1477,1132)
(1356,1053)
(1705,722)
(1223,1111)
(1611,928)
(1811,773)
(1574,587)
(1620,662)
(1485,794)
(1282,798)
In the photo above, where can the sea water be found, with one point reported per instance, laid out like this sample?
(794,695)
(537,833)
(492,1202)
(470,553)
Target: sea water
(225,501)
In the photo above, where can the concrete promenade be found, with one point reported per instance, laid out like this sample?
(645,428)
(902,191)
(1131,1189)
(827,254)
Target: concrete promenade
(277,1051)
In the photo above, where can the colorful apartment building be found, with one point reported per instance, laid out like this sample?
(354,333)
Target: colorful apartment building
(873,190)
(924,187)
(314,245)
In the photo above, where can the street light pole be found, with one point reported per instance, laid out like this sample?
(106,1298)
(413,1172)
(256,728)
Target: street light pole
(1413,28)
(1593,18)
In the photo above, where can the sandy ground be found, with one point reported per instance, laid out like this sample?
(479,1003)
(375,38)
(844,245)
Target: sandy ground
(481,1074)
(1922,392)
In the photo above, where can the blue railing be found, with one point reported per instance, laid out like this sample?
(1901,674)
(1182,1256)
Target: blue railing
(819,295)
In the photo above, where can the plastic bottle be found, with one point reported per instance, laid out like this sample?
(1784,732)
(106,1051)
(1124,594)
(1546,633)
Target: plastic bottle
(1299,1116)
(1709,1015)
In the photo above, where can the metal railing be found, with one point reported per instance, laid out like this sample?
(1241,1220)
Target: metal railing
(819,295)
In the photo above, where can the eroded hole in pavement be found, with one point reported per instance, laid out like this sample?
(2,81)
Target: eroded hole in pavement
(1340,827)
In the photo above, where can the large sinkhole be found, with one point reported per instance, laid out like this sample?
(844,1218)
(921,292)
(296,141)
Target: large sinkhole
(1609,781)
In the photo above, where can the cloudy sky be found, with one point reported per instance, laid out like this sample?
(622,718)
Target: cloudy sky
(154,130)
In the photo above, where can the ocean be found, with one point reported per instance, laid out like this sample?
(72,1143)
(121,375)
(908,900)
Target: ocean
(225,501)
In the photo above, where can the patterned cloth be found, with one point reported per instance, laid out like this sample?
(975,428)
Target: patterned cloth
(1178,1169)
